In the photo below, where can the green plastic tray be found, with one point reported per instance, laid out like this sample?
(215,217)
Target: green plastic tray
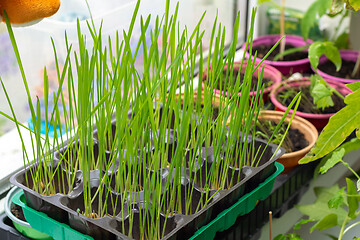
(247,203)
(223,221)
(43,223)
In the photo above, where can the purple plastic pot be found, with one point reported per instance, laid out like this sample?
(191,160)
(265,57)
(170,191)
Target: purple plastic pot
(269,72)
(285,67)
(318,120)
(348,55)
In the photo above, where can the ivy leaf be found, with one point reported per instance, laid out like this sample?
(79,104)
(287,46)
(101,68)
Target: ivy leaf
(352,201)
(340,126)
(317,49)
(336,156)
(315,11)
(338,200)
(301,222)
(328,221)
(318,210)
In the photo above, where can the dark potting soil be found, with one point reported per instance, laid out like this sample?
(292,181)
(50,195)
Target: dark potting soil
(294,140)
(18,212)
(344,72)
(298,139)
(307,105)
(254,82)
(262,50)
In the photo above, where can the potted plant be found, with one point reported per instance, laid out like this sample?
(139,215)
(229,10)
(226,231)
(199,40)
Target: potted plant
(346,74)
(155,169)
(319,102)
(330,66)
(290,57)
(298,142)
(271,78)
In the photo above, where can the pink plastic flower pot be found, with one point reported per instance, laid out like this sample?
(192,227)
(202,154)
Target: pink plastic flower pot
(285,67)
(318,120)
(269,72)
(348,55)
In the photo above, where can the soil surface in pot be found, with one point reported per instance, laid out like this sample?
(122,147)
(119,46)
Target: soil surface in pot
(306,104)
(254,82)
(18,212)
(344,72)
(294,140)
(262,50)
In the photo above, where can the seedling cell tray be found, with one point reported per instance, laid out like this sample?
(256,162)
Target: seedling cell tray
(246,204)
(41,222)
(223,221)
(63,208)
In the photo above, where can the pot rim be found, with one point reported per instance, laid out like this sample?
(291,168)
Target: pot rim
(306,127)
(273,74)
(7,207)
(273,38)
(304,81)
(348,55)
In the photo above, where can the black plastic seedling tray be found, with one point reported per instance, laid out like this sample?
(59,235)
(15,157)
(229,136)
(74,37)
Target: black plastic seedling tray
(288,190)
(64,208)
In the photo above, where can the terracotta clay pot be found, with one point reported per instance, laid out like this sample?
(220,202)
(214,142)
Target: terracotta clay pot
(285,67)
(318,120)
(270,73)
(348,55)
(290,160)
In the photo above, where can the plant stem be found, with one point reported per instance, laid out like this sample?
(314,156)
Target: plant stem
(342,228)
(356,67)
(351,226)
(282,27)
(352,170)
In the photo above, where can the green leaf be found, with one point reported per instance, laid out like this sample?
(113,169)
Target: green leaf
(293,236)
(337,200)
(358,185)
(323,194)
(320,92)
(336,156)
(297,226)
(263,1)
(280,237)
(340,126)
(331,236)
(313,13)
(353,86)
(322,96)
(318,210)
(328,221)
(342,41)
(352,200)
(317,49)
(353,5)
